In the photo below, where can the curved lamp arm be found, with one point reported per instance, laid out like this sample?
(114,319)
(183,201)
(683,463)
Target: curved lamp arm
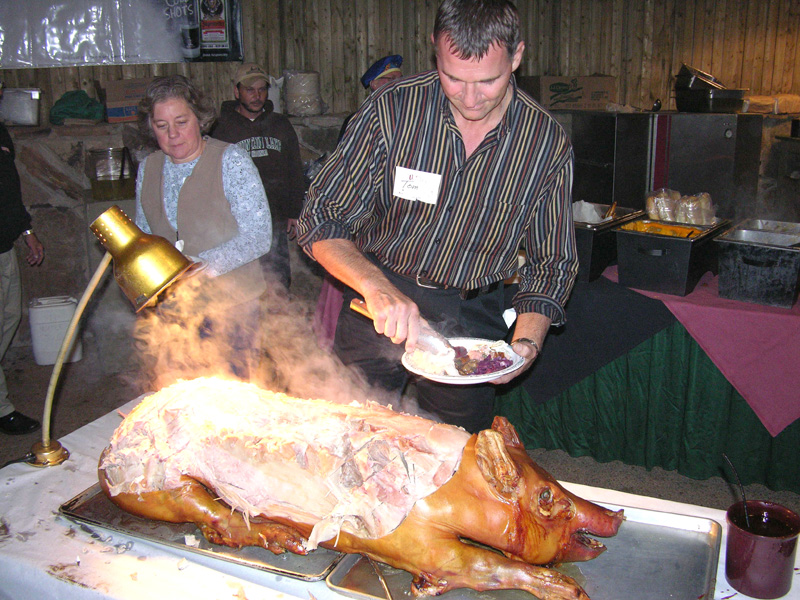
(50,452)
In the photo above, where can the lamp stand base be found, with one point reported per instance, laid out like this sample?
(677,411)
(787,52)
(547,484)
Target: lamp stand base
(48,455)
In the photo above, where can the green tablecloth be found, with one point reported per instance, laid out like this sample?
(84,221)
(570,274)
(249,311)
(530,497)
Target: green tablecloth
(662,404)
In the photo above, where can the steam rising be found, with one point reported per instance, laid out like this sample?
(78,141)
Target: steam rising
(200,330)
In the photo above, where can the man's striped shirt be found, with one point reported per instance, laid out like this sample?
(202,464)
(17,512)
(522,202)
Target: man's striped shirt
(514,191)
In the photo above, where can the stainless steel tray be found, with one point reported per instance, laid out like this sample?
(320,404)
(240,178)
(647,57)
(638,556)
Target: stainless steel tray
(654,556)
(764,233)
(92,507)
(621,216)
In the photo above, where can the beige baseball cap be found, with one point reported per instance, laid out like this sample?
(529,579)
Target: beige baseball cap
(248,73)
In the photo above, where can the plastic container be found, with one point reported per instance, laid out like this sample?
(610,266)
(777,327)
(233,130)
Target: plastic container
(20,106)
(112,174)
(663,258)
(759,262)
(50,319)
(710,101)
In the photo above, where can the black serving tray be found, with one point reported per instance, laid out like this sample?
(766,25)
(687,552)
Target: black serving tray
(667,264)
(597,242)
(709,100)
(759,262)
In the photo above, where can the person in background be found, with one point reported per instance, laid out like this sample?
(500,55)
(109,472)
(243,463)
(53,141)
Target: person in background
(14,221)
(421,210)
(251,122)
(382,71)
(329,304)
(207,194)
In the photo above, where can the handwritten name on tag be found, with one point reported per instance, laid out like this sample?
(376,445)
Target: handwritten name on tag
(417,186)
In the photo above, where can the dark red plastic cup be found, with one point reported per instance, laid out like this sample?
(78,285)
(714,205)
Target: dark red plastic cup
(759,560)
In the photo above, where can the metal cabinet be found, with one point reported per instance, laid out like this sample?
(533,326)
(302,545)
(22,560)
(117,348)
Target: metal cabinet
(623,156)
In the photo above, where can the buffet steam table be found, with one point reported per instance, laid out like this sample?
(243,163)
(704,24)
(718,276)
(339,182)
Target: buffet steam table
(668,381)
(44,555)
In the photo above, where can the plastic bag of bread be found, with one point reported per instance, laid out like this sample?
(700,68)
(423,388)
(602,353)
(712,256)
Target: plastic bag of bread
(696,209)
(661,204)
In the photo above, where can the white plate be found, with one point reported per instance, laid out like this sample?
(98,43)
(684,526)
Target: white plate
(469,344)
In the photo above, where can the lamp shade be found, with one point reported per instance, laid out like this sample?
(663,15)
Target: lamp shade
(144,264)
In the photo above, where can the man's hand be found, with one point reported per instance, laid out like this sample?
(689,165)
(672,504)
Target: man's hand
(530,326)
(35,250)
(394,314)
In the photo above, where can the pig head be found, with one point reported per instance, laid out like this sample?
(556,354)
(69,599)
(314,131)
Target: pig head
(500,498)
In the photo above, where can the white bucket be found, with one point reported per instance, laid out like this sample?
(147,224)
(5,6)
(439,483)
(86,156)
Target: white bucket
(50,319)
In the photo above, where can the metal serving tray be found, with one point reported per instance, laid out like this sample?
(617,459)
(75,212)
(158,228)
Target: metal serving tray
(765,233)
(759,262)
(654,556)
(92,507)
(596,242)
(621,215)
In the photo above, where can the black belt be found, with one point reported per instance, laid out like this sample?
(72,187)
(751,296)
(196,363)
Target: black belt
(465,294)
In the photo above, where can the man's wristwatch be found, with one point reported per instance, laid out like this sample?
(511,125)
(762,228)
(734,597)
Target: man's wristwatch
(527,341)
(27,232)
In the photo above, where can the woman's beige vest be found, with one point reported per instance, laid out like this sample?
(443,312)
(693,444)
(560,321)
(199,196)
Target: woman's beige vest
(204,216)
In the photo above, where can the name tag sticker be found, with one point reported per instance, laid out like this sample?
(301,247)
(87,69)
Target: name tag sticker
(417,186)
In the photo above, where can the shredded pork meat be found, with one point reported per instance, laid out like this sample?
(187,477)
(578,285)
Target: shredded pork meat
(358,467)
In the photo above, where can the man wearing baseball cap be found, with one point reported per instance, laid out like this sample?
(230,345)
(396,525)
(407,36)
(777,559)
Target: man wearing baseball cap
(251,122)
(382,72)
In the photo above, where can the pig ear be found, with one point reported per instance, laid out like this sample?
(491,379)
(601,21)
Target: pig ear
(495,463)
(506,429)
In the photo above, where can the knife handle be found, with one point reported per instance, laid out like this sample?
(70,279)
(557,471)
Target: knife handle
(358,305)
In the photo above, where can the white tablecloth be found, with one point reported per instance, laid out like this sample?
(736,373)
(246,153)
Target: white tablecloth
(43,555)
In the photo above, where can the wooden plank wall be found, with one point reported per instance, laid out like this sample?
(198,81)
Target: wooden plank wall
(642,43)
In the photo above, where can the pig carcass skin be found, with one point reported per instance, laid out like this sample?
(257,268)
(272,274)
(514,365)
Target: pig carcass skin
(356,478)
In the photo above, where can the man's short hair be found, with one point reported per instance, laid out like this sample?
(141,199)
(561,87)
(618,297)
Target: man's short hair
(473,26)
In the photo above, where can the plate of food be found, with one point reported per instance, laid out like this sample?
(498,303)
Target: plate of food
(481,361)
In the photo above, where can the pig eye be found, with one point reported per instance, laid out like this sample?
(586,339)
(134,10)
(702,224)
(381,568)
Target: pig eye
(545,496)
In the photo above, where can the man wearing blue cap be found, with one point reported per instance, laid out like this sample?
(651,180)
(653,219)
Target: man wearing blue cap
(381,72)
(329,304)
(421,210)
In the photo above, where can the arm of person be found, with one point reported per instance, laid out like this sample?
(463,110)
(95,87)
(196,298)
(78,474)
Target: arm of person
(394,314)
(527,341)
(245,192)
(35,249)
(548,275)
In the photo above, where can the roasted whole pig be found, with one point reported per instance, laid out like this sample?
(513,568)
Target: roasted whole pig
(353,478)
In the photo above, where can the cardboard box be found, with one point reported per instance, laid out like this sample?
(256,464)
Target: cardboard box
(585,93)
(122,98)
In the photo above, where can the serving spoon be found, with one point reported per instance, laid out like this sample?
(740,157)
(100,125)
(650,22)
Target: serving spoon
(428,340)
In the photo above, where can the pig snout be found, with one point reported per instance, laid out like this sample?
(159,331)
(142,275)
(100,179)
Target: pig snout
(591,520)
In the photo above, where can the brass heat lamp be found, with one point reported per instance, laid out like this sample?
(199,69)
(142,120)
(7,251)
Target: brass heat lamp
(144,266)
